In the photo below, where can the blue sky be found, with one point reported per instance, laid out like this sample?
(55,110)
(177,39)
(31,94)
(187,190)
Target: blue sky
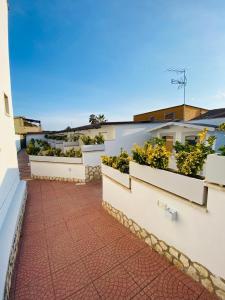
(71,58)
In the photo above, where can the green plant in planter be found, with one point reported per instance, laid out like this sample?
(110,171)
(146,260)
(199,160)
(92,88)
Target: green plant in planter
(222,127)
(190,159)
(32,149)
(73,153)
(74,138)
(120,162)
(153,154)
(87,140)
(222,150)
(99,139)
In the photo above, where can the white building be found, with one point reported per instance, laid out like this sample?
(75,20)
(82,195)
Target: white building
(12,189)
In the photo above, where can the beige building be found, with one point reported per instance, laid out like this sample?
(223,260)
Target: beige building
(23,125)
(182,112)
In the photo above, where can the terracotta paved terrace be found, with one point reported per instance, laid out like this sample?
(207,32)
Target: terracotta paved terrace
(72,249)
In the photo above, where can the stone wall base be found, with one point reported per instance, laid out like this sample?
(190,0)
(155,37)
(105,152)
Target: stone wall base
(14,250)
(58,178)
(93,173)
(195,270)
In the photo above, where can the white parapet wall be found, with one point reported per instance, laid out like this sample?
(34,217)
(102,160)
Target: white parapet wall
(70,168)
(92,154)
(191,236)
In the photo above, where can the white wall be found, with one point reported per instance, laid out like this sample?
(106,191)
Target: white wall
(40,136)
(198,233)
(10,197)
(92,158)
(63,170)
(127,135)
(18,142)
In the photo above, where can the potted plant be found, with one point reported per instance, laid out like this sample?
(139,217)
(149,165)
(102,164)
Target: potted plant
(117,168)
(93,144)
(151,165)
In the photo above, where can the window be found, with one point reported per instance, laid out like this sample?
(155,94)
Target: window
(6,101)
(152,119)
(169,142)
(191,139)
(170,116)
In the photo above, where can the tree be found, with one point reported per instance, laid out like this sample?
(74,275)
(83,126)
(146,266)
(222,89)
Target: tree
(96,119)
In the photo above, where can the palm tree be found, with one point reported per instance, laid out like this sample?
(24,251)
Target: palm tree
(96,119)
(101,118)
(93,119)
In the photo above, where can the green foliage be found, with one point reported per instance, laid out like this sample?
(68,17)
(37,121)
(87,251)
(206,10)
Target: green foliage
(222,150)
(153,154)
(120,162)
(97,119)
(42,148)
(73,153)
(56,137)
(74,138)
(32,149)
(87,140)
(98,139)
(222,127)
(191,158)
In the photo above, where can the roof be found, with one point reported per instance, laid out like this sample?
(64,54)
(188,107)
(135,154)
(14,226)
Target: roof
(212,114)
(99,125)
(28,120)
(184,124)
(172,108)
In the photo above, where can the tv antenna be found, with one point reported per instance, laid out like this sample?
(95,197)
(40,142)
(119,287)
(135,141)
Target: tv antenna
(180,82)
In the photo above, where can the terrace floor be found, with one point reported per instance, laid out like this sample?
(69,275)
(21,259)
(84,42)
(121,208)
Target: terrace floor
(72,249)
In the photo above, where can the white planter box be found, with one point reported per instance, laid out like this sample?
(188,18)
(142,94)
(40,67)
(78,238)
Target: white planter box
(67,160)
(116,175)
(215,169)
(63,167)
(192,189)
(91,148)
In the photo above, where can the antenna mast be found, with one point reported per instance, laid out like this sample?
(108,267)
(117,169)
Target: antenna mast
(180,82)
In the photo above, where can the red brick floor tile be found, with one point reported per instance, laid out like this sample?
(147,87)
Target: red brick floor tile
(100,262)
(38,289)
(126,246)
(145,266)
(116,284)
(72,249)
(69,280)
(141,296)
(89,292)
(88,246)
(173,285)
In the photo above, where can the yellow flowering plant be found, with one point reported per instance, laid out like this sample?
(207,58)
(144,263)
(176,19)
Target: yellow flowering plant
(120,162)
(190,159)
(153,154)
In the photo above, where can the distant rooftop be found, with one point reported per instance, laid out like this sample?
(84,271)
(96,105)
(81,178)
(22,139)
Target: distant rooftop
(212,114)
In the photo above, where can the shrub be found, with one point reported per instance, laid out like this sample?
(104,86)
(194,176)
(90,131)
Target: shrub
(99,139)
(73,153)
(87,140)
(120,162)
(74,138)
(32,149)
(222,127)
(222,150)
(153,154)
(191,158)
